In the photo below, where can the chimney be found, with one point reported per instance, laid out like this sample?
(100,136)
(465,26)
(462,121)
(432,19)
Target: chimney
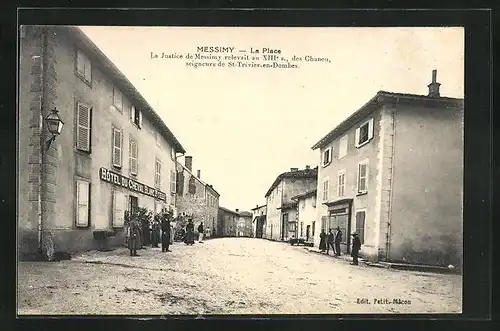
(308,167)
(237,210)
(294,169)
(434,86)
(188,162)
(199,174)
(256,206)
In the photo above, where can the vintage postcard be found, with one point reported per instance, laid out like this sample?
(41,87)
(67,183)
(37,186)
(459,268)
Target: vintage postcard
(240,170)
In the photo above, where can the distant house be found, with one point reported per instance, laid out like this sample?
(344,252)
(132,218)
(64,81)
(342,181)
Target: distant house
(227,220)
(281,213)
(306,211)
(259,220)
(195,198)
(244,225)
(393,172)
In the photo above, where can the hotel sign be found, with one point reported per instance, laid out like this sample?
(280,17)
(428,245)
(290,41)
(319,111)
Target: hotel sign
(120,180)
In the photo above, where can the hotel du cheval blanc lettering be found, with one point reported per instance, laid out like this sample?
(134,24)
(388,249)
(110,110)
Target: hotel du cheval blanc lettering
(120,180)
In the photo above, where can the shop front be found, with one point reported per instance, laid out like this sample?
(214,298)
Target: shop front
(339,215)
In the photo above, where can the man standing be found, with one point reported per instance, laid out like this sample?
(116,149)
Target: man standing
(338,240)
(329,242)
(356,246)
(207,235)
(322,241)
(200,232)
(165,232)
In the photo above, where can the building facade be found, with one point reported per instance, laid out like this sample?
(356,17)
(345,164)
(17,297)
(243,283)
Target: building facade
(393,173)
(227,222)
(259,220)
(114,153)
(195,198)
(244,224)
(307,213)
(280,208)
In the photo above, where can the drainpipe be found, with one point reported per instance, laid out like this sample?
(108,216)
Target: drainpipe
(42,143)
(391,194)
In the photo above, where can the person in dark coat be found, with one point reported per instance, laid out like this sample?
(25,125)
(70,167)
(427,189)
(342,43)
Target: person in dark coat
(146,234)
(200,232)
(322,241)
(165,233)
(134,238)
(155,235)
(338,240)
(189,233)
(356,246)
(329,242)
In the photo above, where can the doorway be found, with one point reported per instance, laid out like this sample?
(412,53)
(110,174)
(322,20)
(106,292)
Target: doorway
(340,218)
(133,203)
(308,230)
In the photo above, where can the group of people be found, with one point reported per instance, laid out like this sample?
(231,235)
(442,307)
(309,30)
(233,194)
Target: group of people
(160,231)
(333,240)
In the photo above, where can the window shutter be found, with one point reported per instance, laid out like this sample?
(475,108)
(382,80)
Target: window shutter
(87,69)
(356,140)
(132,113)
(173,181)
(140,119)
(133,157)
(83,127)
(370,129)
(80,66)
(118,209)
(82,198)
(117,148)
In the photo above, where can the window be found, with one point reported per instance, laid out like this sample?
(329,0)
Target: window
(136,118)
(343,146)
(360,225)
(117,148)
(119,207)
(301,229)
(173,181)
(83,203)
(303,203)
(314,228)
(326,184)
(117,98)
(341,183)
(327,157)
(157,173)
(313,202)
(83,66)
(364,133)
(285,217)
(83,125)
(172,154)
(134,156)
(157,139)
(363,177)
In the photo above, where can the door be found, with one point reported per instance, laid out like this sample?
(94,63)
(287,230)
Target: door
(308,229)
(134,203)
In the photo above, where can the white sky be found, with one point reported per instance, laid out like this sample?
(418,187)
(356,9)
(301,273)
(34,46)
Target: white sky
(245,126)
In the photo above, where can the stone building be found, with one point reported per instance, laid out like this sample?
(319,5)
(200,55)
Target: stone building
(227,222)
(393,172)
(114,153)
(259,220)
(281,209)
(195,198)
(244,224)
(306,214)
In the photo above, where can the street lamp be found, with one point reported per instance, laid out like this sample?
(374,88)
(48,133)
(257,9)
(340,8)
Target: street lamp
(54,125)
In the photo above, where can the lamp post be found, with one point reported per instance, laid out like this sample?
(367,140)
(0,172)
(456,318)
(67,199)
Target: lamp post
(54,125)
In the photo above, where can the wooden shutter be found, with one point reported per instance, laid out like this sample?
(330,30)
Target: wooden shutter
(83,127)
(117,148)
(82,198)
(180,183)
(134,155)
(140,119)
(80,65)
(118,209)
(132,113)
(370,129)
(360,225)
(173,181)
(87,69)
(362,177)
(356,139)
